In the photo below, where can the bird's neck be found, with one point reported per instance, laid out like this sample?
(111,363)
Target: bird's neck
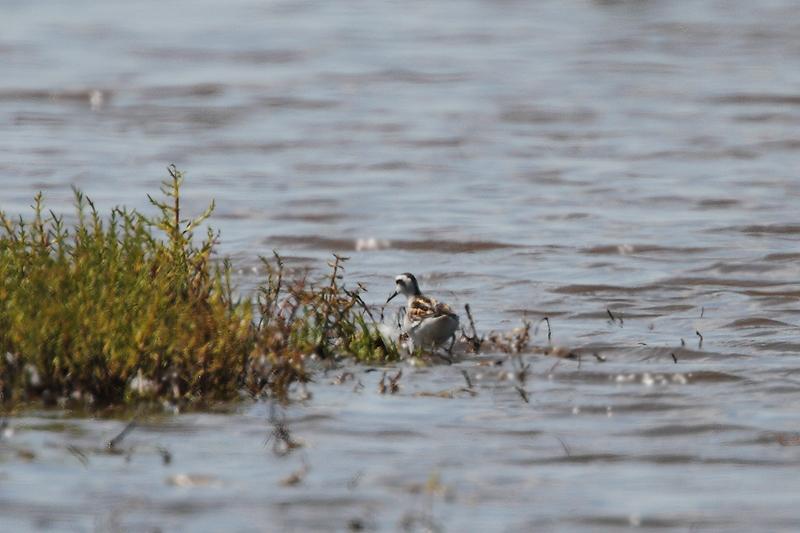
(413,296)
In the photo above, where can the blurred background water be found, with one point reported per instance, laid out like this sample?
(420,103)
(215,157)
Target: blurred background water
(551,158)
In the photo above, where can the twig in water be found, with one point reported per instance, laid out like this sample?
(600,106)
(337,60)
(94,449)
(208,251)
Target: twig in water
(614,319)
(549,331)
(352,483)
(296,477)
(674,358)
(702,311)
(166,456)
(471,320)
(599,357)
(118,439)
(474,340)
(699,344)
(466,378)
(282,442)
(522,393)
(391,385)
(393,382)
(343,377)
(79,455)
(563,445)
(522,368)
(683,343)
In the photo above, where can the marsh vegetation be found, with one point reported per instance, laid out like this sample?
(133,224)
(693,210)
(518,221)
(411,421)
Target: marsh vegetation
(128,308)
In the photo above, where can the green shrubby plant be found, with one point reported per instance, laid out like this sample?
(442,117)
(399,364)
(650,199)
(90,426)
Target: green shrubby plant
(129,308)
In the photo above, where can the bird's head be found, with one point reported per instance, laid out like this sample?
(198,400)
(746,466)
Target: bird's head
(405,284)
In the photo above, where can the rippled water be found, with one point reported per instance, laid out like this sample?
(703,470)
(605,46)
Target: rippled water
(554,158)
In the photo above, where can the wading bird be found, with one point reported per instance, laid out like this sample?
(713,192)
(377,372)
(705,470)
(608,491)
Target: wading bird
(427,322)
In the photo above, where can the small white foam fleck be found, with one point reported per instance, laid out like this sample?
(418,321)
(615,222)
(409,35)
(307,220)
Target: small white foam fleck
(193,480)
(647,380)
(625,249)
(96,99)
(576,410)
(371,243)
(680,379)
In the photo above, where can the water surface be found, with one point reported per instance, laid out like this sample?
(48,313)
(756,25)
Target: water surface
(556,158)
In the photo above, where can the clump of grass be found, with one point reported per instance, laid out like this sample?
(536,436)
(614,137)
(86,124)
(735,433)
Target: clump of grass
(127,308)
(300,318)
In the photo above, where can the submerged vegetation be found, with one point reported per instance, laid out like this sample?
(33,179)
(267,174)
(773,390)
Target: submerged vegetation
(129,308)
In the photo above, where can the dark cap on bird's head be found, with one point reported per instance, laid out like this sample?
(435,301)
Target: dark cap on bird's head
(405,284)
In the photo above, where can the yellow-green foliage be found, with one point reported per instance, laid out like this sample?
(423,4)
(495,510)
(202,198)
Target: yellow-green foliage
(299,318)
(127,307)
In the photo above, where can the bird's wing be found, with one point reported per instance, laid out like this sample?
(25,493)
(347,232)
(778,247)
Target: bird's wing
(422,307)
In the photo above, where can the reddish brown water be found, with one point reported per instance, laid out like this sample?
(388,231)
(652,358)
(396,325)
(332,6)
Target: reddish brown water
(555,158)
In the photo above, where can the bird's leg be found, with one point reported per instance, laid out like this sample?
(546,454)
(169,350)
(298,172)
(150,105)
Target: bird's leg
(452,343)
(443,357)
(401,313)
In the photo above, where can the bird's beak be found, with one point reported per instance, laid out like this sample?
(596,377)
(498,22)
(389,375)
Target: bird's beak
(395,293)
